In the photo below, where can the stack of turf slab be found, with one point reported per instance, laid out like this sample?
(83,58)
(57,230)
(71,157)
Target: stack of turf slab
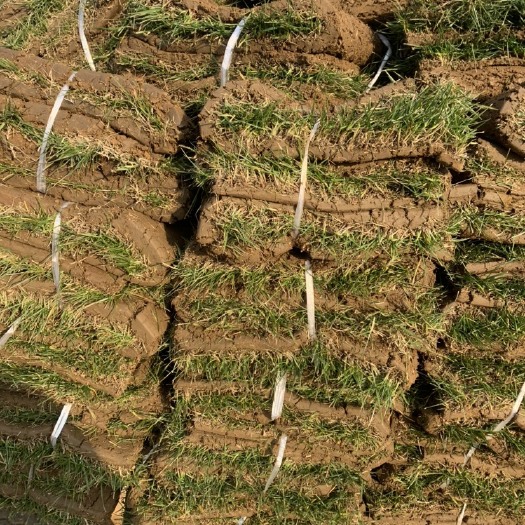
(112,140)
(88,331)
(314,48)
(480,48)
(374,223)
(479,373)
(469,384)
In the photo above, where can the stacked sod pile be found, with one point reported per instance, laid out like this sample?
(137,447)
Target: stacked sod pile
(467,387)
(412,225)
(374,225)
(313,47)
(89,335)
(468,384)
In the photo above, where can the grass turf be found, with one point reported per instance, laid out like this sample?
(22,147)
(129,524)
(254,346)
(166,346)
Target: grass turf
(314,372)
(464,29)
(238,486)
(56,472)
(73,241)
(439,112)
(281,173)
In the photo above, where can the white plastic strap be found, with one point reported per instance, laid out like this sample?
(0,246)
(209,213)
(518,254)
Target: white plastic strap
(40,178)
(55,267)
(278,462)
(61,421)
(461,515)
(501,425)
(83,39)
(302,186)
(387,56)
(310,301)
(515,407)
(9,332)
(470,453)
(228,53)
(278,397)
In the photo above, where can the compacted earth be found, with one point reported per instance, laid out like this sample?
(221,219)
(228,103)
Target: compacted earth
(186,270)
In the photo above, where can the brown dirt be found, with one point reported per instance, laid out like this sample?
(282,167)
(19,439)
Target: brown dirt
(500,268)
(504,122)
(483,79)
(371,10)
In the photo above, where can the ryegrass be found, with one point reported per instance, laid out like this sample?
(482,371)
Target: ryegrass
(420,486)
(489,328)
(45,316)
(113,250)
(14,270)
(232,316)
(32,23)
(485,171)
(121,101)
(26,506)
(172,25)
(60,151)
(27,417)
(314,372)
(143,64)
(476,47)
(468,436)
(233,410)
(410,328)
(264,283)
(293,79)
(466,380)
(101,366)
(469,251)
(438,113)
(240,230)
(464,29)
(240,485)
(219,166)
(77,155)
(510,290)
(55,472)
(46,383)
(12,70)
(52,387)
(480,221)
(130,189)
(463,15)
